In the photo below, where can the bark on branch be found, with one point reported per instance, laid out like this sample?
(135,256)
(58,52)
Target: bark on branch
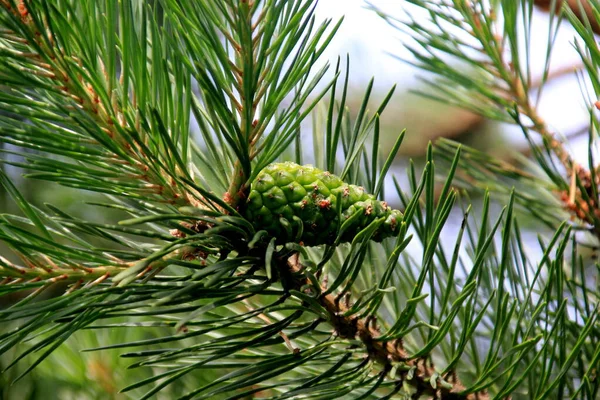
(386,353)
(581,8)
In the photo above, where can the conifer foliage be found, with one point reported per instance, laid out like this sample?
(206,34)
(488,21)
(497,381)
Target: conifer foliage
(216,263)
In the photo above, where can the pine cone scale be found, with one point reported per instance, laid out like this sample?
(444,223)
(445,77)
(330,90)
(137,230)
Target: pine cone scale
(290,194)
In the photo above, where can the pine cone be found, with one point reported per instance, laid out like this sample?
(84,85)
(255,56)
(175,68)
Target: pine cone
(298,203)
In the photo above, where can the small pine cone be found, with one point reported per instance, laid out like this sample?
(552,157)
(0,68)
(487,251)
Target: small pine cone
(295,202)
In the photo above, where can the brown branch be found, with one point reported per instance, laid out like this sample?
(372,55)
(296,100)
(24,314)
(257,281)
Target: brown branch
(556,73)
(386,353)
(581,8)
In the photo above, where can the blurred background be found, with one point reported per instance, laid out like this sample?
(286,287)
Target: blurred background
(376,50)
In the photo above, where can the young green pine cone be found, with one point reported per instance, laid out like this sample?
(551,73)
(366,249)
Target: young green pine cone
(298,203)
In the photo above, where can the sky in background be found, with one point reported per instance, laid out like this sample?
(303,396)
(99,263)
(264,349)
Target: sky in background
(369,40)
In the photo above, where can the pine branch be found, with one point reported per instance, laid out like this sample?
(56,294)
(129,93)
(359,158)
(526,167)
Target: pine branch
(388,353)
(503,81)
(52,273)
(36,48)
(266,100)
(244,71)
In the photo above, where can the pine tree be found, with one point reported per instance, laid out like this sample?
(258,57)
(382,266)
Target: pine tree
(219,265)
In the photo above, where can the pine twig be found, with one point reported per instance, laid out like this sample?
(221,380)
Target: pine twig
(50,64)
(246,57)
(586,208)
(386,353)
